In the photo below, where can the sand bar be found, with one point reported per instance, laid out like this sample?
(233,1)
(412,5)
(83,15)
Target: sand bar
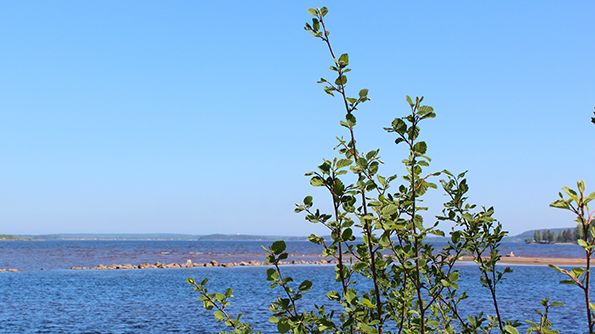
(522,260)
(560,261)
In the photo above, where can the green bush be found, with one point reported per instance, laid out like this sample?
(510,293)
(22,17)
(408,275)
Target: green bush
(414,285)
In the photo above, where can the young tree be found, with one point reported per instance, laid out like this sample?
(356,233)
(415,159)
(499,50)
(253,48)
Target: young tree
(414,285)
(577,202)
(544,325)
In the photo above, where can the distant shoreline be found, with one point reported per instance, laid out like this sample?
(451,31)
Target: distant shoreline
(149,237)
(520,238)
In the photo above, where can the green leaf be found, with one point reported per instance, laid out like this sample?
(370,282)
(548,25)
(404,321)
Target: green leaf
(344,163)
(305,286)
(511,329)
(317,181)
(278,247)
(350,120)
(581,186)
(560,204)
(425,110)
(308,200)
(220,297)
(399,126)
(571,193)
(312,11)
(347,234)
(333,295)
(344,60)
(420,147)
(367,303)
(583,243)
(341,80)
(556,268)
(219,315)
(389,210)
(283,326)
(313,238)
(272,274)
(363,93)
(350,295)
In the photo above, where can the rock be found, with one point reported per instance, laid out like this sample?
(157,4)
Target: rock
(190,264)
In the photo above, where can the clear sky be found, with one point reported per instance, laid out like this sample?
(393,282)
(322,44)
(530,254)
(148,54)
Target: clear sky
(202,116)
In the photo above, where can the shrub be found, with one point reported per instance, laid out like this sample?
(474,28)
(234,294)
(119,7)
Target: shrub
(414,285)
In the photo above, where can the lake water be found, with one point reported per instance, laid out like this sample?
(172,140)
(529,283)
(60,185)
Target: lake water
(45,297)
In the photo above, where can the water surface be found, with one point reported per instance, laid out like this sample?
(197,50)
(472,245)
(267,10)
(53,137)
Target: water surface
(47,298)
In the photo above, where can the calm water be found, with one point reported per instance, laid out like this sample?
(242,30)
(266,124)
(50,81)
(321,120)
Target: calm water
(56,300)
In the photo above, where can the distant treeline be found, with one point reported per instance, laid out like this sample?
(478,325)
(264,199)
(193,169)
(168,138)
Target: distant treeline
(7,237)
(549,237)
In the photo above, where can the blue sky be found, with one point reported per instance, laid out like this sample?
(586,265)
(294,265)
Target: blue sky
(201,117)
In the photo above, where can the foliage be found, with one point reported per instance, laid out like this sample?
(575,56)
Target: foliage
(577,202)
(392,279)
(544,325)
(218,302)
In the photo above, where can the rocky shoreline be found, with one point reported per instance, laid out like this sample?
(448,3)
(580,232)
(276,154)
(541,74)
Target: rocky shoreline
(8,270)
(190,264)
(253,263)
